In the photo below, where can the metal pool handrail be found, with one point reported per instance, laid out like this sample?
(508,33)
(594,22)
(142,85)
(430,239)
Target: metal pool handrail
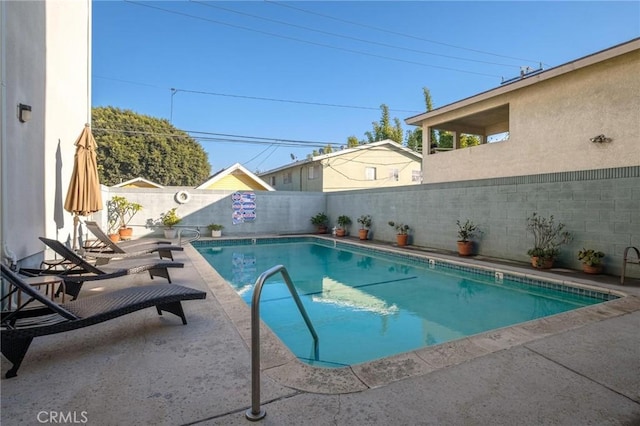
(195,237)
(256,412)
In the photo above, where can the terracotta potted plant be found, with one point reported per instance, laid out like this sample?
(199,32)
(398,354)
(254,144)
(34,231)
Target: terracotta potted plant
(114,225)
(169,220)
(122,211)
(591,260)
(402,233)
(548,236)
(365,224)
(466,231)
(216,230)
(343,223)
(320,220)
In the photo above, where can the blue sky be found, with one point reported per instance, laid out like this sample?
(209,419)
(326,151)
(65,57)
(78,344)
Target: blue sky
(265,80)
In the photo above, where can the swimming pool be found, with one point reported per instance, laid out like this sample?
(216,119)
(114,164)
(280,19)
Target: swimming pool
(367,304)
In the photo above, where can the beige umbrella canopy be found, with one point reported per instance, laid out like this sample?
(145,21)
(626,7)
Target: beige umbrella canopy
(83,196)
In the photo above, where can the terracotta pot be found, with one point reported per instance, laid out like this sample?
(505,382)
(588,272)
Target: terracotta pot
(322,230)
(340,232)
(114,237)
(595,269)
(125,233)
(544,263)
(363,234)
(465,248)
(402,239)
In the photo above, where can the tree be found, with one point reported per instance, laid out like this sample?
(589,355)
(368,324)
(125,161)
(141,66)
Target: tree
(384,130)
(445,140)
(352,142)
(414,137)
(469,140)
(132,145)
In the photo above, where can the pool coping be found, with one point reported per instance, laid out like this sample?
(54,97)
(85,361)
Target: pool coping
(281,365)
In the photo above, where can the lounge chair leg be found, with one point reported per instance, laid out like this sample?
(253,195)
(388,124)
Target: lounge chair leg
(165,254)
(14,350)
(161,272)
(175,308)
(72,288)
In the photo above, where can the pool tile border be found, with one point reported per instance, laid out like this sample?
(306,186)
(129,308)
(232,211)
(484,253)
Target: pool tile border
(431,261)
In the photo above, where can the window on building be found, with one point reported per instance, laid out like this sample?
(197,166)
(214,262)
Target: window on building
(287,178)
(272,180)
(314,172)
(416,175)
(394,174)
(370,173)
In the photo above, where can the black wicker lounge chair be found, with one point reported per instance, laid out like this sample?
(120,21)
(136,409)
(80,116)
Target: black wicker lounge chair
(20,326)
(133,248)
(77,270)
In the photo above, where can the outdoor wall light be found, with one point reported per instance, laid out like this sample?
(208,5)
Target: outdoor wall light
(600,139)
(24,113)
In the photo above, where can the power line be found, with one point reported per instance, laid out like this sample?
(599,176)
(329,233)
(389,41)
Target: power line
(259,98)
(373,55)
(351,37)
(219,137)
(288,100)
(276,3)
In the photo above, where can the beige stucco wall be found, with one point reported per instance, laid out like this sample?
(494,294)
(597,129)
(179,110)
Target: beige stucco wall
(45,67)
(68,103)
(347,172)
(238,182)
(551,124)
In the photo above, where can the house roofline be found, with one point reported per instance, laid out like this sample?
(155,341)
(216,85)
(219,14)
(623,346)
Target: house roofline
(585,61)
(137,179)
(319,158)
(226,172)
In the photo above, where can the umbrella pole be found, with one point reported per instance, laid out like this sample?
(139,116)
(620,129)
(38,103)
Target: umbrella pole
(76,219)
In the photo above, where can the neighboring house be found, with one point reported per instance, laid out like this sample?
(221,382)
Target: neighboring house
(138,182)
(582,115)
(46,56)
(235,178)
(374,165)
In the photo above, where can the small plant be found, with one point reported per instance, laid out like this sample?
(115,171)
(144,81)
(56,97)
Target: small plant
(590,257)
(170,218)
(466,231)
(401,229)
(320,219)
(548,236)
(214,227)
(364,221)
(121,211)
(344,221)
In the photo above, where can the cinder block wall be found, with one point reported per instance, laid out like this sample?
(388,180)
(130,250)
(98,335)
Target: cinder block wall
(279,212)
(601,208)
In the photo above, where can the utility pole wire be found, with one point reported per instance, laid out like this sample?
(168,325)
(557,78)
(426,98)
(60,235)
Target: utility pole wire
(328,46)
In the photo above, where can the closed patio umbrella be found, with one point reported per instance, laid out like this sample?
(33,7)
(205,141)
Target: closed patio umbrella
(83,196)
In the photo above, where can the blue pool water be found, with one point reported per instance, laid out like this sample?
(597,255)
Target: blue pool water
(366,305)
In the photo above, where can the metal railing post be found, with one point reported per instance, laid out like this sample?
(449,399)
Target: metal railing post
(256,412)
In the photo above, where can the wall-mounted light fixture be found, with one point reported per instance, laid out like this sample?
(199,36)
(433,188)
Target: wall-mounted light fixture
(24,113)
(600,139)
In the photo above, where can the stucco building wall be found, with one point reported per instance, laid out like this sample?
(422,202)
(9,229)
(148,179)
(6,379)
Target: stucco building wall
(347,169)
(45,60)
(551,123)
(347,172)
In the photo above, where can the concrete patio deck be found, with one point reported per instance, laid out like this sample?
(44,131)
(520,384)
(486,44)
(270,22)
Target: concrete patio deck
(577,368)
